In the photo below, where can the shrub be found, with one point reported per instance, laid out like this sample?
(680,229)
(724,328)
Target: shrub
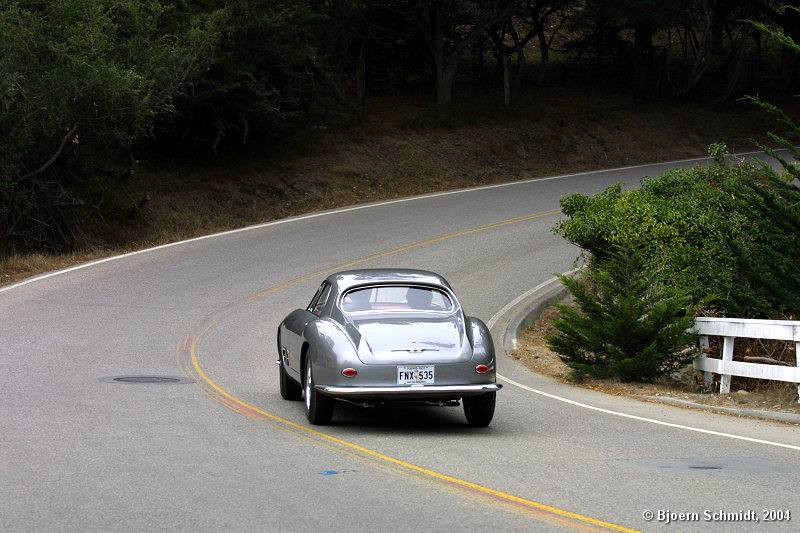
(79,81)
(726,236)
(627,327)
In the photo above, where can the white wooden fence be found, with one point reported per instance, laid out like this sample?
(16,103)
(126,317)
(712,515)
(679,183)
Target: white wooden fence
(729,329)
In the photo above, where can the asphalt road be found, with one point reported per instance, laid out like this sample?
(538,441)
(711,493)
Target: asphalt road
(83,452)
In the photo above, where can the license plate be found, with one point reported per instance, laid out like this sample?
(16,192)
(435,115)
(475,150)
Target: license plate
(414,375)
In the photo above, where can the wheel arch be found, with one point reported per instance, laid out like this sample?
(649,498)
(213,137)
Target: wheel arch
(303,357)
(480,337)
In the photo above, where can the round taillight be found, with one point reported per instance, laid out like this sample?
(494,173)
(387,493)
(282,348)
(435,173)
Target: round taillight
(481,369)
(349,372)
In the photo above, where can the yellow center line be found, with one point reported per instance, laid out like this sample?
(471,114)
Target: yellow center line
(188,348)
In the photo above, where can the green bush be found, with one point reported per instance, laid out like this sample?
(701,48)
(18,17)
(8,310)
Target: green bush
(81,80)
(270,68)
(726,236)
(627,325)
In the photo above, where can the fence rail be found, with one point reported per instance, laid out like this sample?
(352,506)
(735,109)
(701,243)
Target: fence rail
(729,329)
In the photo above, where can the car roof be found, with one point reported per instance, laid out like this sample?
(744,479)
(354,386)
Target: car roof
(351,278)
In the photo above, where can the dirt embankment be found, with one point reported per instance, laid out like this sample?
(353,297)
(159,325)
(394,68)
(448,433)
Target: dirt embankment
(402,147)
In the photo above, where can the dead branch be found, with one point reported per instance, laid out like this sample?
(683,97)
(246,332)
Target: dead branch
(765,360)
(55,156)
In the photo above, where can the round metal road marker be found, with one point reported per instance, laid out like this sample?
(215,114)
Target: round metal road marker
(139,379)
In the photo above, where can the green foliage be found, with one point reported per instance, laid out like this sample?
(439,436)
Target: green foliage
(782,38)
(629,326)
(80,78)
(717,152)
(724,235)
(84,81)
(791,169)
(269,70)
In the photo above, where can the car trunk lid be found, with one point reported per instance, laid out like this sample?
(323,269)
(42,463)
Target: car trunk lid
(408,340)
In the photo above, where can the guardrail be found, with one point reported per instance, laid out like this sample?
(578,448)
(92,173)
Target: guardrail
(729,329)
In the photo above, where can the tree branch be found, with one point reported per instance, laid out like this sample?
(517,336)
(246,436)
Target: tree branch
(54,156)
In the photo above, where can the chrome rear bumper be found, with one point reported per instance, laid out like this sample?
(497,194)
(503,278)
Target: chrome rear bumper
(410,390)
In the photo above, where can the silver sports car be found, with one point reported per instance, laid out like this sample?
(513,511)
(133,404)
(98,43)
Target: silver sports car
(375,336)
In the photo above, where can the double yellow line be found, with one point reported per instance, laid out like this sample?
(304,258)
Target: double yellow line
(187,355)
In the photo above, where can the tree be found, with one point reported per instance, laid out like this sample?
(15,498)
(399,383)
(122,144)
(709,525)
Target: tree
(80,79)
(538,15)
(724,235)
(534,16)
(450,27)
(627,326)
(611,19)
(791,169)
(270,71)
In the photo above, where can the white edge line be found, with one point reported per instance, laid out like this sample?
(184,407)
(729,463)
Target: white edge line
(522,297)
(540,286)
(336,211)
(649,420)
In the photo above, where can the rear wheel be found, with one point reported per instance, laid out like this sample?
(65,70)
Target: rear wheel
(479,410)
(290,389)
(319,408)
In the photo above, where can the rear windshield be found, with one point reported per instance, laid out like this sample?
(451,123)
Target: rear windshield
(395,298)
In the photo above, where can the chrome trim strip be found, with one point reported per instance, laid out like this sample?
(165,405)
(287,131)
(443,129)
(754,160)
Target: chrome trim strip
(410,389)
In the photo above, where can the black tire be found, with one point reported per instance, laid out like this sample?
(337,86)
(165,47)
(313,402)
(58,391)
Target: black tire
(290,389)
(479,410)
(319,408)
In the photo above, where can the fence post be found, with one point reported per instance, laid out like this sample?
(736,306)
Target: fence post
(797,363)
(727,355)
(708,377)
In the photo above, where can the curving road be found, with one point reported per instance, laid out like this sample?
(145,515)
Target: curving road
(82,451)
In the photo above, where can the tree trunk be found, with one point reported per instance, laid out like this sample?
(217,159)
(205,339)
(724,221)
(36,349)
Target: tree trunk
(520,73)
(544,52)
(741,57)
(715,18)
(711,48)
(444,89)
(506,78)
(435,21)
(444,80)
(361,80)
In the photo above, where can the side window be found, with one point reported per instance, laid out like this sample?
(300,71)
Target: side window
(315,299)
(318,302)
